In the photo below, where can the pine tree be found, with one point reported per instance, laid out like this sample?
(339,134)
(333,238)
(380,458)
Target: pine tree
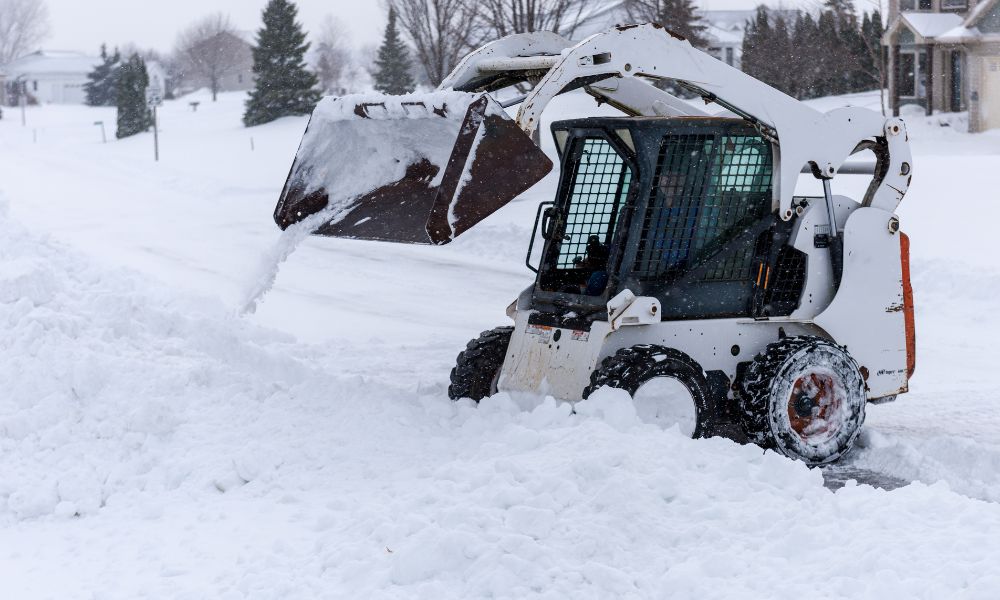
(756,60)
(101,89)
(133,113)
(392,67)
(828,56)
(679,16)
(804,58)
(871,36)
(782,77)
(284,86)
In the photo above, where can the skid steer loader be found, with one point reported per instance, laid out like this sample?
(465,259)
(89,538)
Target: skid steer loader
(676,250)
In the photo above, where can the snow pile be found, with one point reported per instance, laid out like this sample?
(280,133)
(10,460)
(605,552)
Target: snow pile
(172,441)
(102,371)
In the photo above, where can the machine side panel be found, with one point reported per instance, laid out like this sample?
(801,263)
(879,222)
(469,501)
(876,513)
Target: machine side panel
(867,314)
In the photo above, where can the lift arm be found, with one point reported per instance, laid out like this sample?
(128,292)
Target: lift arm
(620,66)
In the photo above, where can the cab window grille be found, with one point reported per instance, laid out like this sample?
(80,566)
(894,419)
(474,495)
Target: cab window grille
(598,192)
(707,190)
(788,280)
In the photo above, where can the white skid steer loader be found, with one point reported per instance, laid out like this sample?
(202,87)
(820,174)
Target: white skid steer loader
(675,249)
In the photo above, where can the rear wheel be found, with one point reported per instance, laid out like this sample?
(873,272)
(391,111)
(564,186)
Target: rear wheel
(804,397)
(477,368)
(668,386)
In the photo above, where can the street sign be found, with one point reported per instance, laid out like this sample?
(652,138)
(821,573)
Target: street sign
(154,96)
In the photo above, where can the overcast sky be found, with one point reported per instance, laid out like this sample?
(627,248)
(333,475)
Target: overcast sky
(84,24)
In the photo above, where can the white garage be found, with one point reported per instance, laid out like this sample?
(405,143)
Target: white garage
(52,77)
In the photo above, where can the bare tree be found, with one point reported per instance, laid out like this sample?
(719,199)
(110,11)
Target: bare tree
(333,58)
(212,49)
(23,24)
(441,32)
(504,17)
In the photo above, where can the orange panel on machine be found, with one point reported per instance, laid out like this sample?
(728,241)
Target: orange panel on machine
(911,336)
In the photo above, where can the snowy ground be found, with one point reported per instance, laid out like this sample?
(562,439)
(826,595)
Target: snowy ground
(155,444)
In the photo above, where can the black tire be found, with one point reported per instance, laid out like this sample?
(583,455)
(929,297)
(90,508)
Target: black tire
(477,368)
(630,368)
(804,397)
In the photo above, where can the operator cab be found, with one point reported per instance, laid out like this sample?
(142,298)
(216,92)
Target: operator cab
(681,209)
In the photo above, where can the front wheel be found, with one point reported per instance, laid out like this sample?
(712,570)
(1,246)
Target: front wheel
(668,387)
(477,368)
(805,397)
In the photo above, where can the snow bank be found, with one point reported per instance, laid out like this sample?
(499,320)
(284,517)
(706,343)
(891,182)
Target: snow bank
(153,441)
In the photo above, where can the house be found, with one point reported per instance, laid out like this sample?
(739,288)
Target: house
(724,29)
(50,76)
(945,55)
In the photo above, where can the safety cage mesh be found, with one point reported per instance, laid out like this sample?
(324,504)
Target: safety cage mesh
(708,188)
(600,185)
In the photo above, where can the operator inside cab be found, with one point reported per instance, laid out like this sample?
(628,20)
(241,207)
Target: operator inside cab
(596,263)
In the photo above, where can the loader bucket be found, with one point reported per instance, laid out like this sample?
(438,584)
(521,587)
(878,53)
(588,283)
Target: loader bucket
(415,169)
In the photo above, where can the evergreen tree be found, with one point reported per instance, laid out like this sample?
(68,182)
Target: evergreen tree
(872,62)
(101,89)
(828,56)
(804,59)
(392,67)
(133,113)
(843,12)
(756,60)
(782,77)
(284,86)
(678,16)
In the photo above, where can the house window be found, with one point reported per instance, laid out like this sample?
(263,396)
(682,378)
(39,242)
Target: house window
(924,5)
(239,77)
(912,66)
(962,4)
(729,56)
(34,85)
(907,4)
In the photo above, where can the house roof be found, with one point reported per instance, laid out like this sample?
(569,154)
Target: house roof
(53,61)
(959,34)
(927,25)
(931,25)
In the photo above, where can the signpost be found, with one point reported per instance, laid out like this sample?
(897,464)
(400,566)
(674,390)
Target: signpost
(154,98)
(104,136)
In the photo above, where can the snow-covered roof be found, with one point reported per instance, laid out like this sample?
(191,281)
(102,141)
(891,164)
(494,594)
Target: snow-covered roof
(958,35)
(931,25)
(723,35)
(53,61)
